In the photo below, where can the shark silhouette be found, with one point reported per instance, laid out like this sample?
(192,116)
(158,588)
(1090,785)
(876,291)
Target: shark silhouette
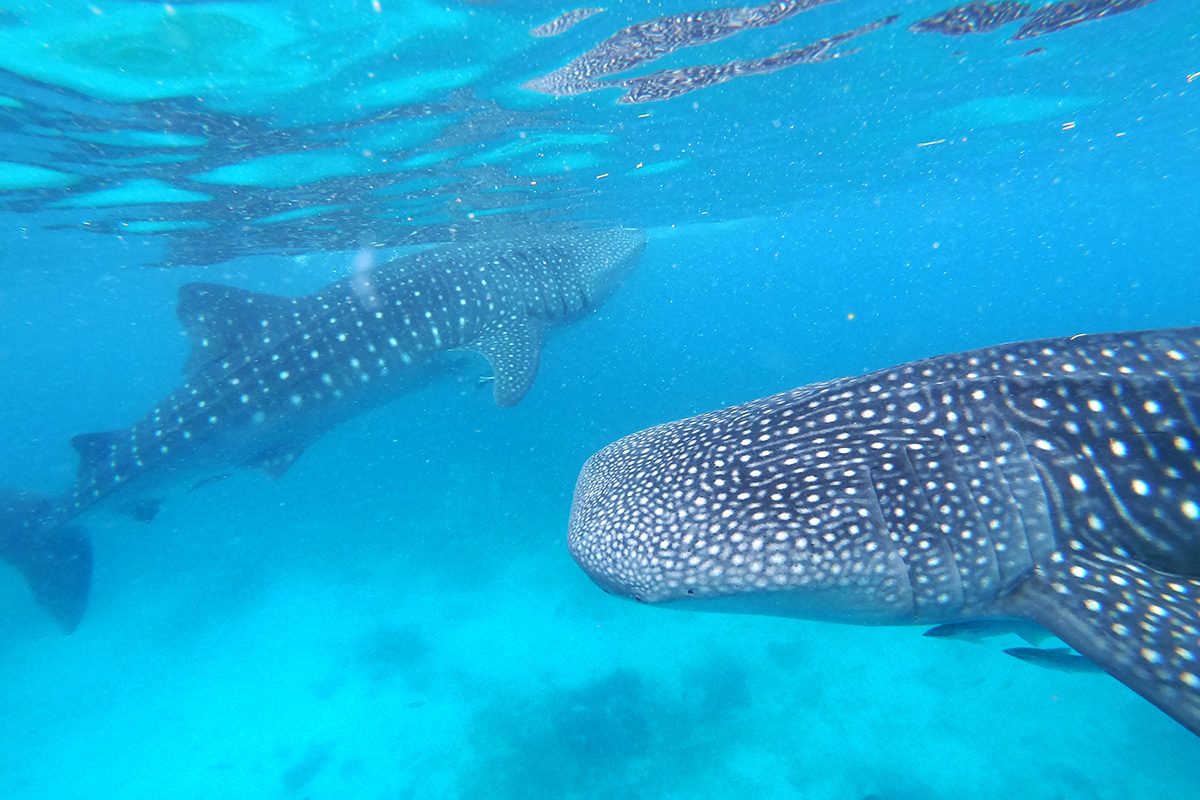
(268,375)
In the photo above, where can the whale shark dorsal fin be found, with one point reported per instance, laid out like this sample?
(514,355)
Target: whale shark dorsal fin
(94,447)
(96,453)
(221,320)
(1128,618)
(513,347)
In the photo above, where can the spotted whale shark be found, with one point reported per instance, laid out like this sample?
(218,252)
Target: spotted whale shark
(268,375)
(1053,481)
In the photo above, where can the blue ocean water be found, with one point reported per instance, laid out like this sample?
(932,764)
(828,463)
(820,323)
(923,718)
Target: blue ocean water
(398,615)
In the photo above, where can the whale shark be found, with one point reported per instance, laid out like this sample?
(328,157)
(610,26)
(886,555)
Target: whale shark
(1053,481)
(268,375)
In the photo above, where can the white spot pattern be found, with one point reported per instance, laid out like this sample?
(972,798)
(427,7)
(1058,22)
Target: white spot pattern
(265,370)
(931,492)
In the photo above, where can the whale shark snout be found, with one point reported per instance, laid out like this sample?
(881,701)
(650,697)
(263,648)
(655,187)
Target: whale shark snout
(606,507)
(675,516)
(636,528)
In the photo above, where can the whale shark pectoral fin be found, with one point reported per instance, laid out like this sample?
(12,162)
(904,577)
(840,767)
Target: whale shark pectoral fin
(276,462)
(513,347)
(223,319)
(1138,624)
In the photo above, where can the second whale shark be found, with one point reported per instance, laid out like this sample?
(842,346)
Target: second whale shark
(270,374)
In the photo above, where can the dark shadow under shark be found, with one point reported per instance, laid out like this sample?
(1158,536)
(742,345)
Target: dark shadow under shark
(268,375)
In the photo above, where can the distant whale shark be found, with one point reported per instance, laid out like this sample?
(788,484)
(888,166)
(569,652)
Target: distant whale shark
(1055,481)
(268,375)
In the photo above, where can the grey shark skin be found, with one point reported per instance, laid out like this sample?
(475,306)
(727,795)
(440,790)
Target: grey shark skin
(268,375)
(1056,481)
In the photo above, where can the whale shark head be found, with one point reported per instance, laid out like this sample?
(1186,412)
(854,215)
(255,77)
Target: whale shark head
(598,262)
(555,277)
(1052,481)
(673,514)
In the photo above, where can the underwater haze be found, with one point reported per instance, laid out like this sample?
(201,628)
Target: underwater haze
(826,188)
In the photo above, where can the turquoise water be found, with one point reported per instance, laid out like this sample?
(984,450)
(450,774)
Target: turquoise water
(398,615)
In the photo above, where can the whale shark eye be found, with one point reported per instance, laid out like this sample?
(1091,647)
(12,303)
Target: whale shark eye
(691,592)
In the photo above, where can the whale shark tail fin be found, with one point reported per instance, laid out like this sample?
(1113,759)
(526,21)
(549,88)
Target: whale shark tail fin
(55,560)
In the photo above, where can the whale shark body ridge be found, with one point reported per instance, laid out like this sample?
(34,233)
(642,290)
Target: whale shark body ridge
(268,375)
(1054,481)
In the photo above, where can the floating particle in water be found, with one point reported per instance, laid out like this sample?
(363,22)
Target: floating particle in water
(978,17)
(1061,16)
(652,39)
(670,83)
(564,22)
